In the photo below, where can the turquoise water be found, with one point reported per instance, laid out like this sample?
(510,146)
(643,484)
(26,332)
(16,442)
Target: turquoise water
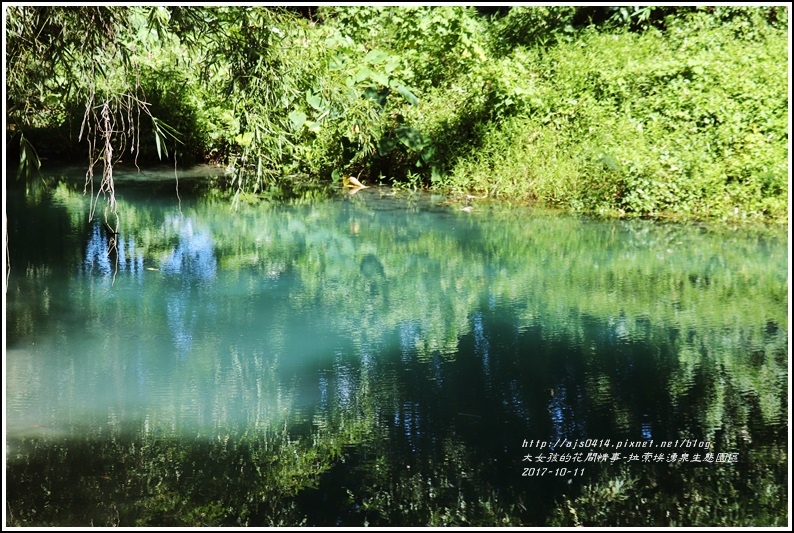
(384,358)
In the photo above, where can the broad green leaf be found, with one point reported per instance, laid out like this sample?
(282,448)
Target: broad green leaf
(315,101)
(244,139)
(435,174)
(610,162)
(386,145)
(408,95)
(336,63)
(391,64)
(362,74)
(375,56)
(427,153)
(379,77)
(377,96)
(297,119)
(410,137)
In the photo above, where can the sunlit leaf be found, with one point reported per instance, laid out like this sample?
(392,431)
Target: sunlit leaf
(362,74)
(297,119)
(403,90)
(163,131)
(157,142)
(391,64)
(315,101)
(379,77)
(375,56)
(244,139)
(336,63)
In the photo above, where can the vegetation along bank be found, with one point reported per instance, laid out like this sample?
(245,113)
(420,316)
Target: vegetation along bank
(628,111)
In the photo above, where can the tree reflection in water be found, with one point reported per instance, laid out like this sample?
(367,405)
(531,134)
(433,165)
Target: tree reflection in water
(273,367)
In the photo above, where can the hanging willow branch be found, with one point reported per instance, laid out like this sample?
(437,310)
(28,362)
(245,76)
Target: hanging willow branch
(99,127)
(110,127)
(82,54)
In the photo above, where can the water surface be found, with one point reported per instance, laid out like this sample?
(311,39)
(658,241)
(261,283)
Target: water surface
(386,359)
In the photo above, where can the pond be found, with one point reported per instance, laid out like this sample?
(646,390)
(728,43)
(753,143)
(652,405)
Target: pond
(387,359)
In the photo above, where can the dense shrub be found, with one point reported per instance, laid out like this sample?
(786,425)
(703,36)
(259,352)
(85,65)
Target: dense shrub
(630,111)
(689,121)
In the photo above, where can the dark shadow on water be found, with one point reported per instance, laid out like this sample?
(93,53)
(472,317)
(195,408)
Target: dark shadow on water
(436,441)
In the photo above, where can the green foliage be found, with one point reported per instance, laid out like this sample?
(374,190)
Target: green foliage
(159,480)
(625,111)
(29,162)
(651,495)
(712,299)
(639,18)
(621,124)
(434,44)
(533,26)
(77,71)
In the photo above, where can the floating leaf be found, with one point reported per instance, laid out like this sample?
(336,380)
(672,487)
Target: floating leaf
(353,182)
